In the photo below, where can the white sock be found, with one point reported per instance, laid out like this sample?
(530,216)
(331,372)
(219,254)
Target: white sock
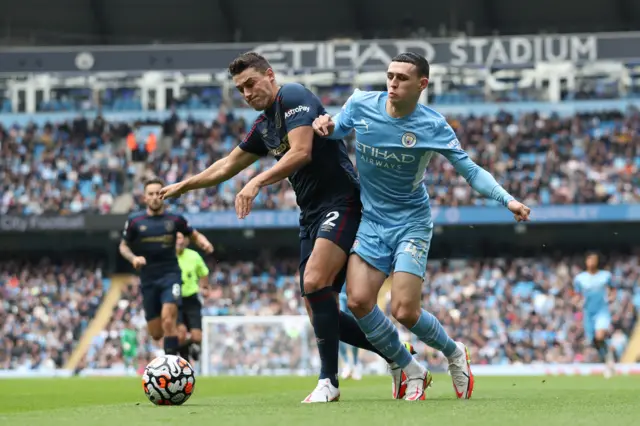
(458,353)
(414,369)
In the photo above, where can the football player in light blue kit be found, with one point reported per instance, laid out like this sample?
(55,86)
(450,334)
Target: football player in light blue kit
(593,285)
(351,368)
(395,139)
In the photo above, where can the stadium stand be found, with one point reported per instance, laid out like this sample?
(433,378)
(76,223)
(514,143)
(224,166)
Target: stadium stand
(45,308)
(83,166)
(519,310)
(547,131)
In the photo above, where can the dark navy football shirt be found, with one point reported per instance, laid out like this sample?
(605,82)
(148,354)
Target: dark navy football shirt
(330,178)
(154,238)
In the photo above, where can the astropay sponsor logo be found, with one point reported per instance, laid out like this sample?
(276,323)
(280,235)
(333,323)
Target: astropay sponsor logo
(299,108)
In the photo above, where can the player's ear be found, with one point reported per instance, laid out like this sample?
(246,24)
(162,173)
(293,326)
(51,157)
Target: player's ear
(424,82)
(270,74)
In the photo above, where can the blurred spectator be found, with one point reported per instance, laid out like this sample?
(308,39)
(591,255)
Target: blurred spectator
(44,309)
(84,166)
(507,311)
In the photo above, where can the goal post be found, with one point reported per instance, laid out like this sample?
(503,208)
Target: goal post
(258,345)
(282,345)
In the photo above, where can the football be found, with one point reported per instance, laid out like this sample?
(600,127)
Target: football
(168,380)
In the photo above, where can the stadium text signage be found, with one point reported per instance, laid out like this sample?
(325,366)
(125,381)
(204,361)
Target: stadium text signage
(41,223)
(361,54)
(457,52)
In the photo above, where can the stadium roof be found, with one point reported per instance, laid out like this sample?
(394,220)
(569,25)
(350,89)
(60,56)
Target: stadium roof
(82,22)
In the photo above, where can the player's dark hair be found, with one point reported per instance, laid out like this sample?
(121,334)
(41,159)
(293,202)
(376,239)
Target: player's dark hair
(153,181)
(249,60)
(421,63)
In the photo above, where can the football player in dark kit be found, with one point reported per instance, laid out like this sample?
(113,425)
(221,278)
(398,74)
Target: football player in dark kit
(151,234)
(327,192)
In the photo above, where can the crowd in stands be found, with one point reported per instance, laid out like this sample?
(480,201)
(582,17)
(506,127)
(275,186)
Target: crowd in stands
(62,168)
(45,307)
(507,311)
(84,165)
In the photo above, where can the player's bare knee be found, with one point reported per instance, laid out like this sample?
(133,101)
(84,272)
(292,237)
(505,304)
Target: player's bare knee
(156,334)
(405,313)
(315,279)
(360,303)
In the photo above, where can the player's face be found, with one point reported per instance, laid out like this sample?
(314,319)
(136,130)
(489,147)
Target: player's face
(257,88)
(403,82)
(152,197)
(591,261)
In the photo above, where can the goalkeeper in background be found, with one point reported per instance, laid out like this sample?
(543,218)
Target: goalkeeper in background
(129,344)
(194,275)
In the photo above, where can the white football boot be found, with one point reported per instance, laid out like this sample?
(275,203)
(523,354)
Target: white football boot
(324,392)
(398,376)
(460,371)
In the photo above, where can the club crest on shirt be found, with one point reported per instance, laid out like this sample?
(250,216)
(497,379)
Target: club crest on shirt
(409,140)
(169,225)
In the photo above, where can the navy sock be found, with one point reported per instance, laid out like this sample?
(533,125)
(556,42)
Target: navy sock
(326,324)
(171,345)
(351,333)
(183,350)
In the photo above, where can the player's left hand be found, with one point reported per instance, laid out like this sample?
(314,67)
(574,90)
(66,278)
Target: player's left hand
(519,210)
(244,199)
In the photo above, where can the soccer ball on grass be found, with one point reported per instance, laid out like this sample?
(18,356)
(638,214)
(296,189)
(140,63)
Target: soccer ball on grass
(168,380)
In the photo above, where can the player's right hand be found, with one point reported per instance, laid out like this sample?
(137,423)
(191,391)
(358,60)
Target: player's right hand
(323,125)
(172,191)
(519,210)
(139,262)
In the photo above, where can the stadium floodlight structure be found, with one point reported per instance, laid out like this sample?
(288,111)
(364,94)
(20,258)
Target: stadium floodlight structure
(545,82)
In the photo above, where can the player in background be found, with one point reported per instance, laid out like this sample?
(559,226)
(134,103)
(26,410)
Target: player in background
(594,287)
(352,368)
(129,344)
(149,244)
(395,139)
(195,276)
(327,192)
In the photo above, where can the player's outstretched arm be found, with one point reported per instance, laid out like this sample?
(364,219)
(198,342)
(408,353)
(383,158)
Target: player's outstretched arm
(483,182)
(338,126)
(220,171)
(446,143)
(299,155)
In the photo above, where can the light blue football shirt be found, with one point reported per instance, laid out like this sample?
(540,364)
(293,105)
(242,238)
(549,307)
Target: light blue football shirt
(593,288)
(392,155)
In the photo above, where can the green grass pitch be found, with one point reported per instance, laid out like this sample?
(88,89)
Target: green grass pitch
(262,401)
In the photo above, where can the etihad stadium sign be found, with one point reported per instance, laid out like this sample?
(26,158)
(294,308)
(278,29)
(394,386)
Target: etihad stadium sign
(328,55)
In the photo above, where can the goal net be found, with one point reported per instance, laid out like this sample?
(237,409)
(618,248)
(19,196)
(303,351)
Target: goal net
(266,346)
(258,345)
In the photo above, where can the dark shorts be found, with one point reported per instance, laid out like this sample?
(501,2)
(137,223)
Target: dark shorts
(158,291)
(338,224)
(191,313)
